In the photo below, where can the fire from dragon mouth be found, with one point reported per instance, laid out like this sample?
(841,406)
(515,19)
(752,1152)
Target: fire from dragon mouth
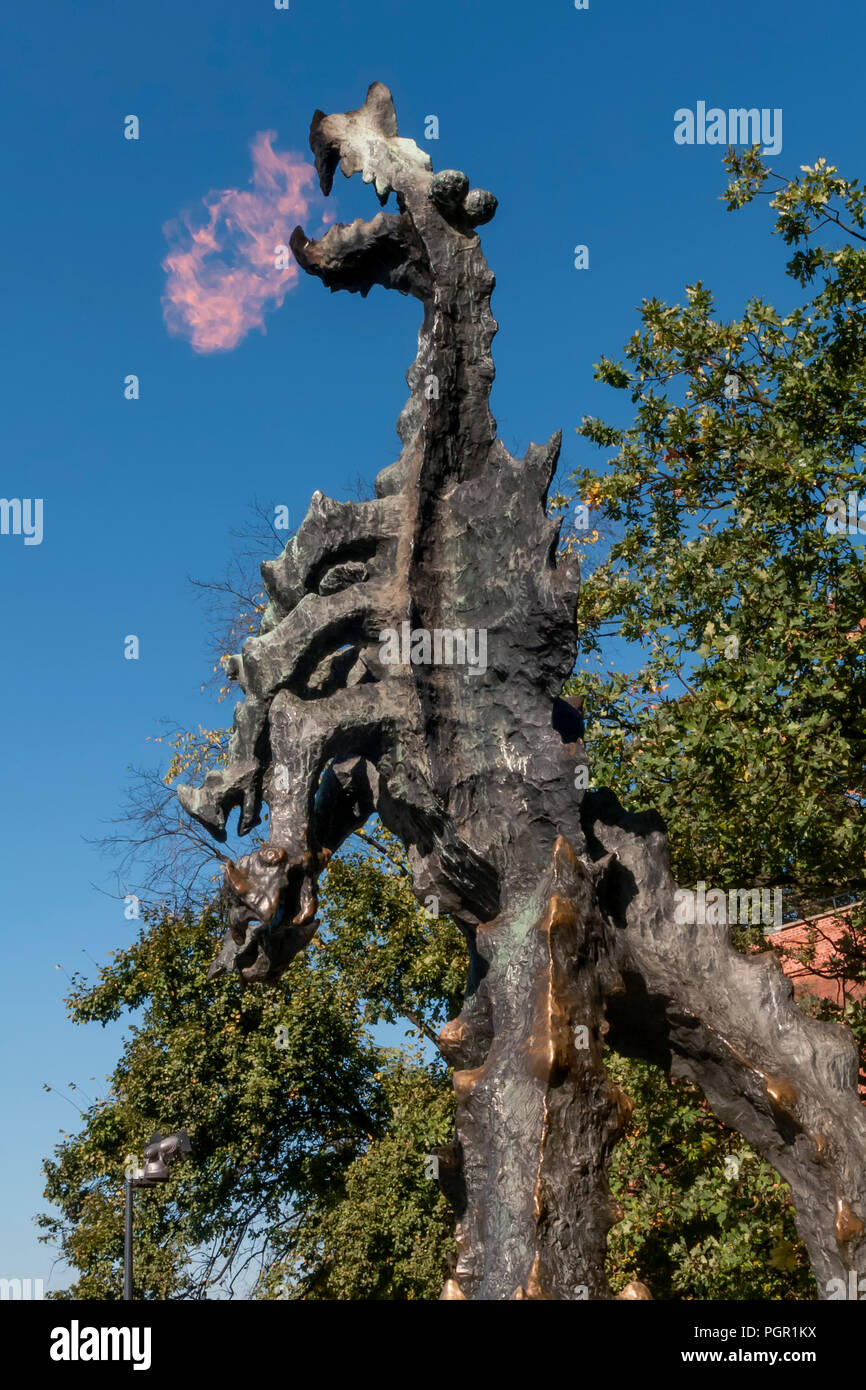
(224,274)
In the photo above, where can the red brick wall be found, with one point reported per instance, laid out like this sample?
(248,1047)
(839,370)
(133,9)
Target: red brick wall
(822,933)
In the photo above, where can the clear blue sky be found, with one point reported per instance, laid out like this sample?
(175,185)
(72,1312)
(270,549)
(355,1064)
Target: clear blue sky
(568,116)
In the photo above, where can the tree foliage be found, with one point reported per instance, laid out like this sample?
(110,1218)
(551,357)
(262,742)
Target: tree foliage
(302,1128)
(744,720)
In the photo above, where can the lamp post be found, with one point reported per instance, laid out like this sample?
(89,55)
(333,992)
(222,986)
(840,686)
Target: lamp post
(157,1156)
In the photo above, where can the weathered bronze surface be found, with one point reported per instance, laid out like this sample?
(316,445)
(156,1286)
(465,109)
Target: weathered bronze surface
(565,900)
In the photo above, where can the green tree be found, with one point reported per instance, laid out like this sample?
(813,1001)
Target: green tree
(724,563)
(309,1140)
(704,1216)
(744,720)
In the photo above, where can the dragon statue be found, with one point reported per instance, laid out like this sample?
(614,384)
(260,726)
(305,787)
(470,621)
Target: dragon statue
(565,900)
